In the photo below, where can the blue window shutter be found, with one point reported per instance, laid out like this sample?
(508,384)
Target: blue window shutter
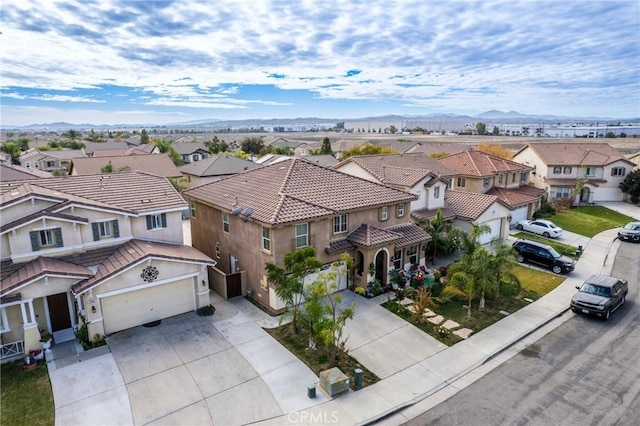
(59,242)
(35,246)
(163,218)
(116,229)
(149,223)
(96,232)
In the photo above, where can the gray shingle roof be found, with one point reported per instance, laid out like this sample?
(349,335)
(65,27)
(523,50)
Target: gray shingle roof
(12,173)
(157,164)
(295,190)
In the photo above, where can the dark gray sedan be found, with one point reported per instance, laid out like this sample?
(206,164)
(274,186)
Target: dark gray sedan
(600,295)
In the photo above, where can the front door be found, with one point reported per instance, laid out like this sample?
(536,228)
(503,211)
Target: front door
(59,312)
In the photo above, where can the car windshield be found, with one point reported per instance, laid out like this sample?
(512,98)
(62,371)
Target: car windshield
(595,289)
(554,253)
(632,226)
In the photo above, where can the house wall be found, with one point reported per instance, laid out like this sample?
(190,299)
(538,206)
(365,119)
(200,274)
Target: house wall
(171,234)
(355,170)
(23,208)
(471,185)
(529,158)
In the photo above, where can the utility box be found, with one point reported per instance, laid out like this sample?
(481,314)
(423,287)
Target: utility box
(334,381)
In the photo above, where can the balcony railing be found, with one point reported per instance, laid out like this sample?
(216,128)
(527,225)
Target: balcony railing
(11,349)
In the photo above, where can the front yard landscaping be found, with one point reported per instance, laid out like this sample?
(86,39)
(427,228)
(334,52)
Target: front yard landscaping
(564,249)
(589,220)
(26,395)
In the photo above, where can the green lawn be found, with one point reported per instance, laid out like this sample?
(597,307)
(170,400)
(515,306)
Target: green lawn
(26,396)
(564,249)
(589,220)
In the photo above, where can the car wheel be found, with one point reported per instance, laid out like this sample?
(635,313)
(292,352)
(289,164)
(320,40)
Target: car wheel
(519,227)
(557,269)
(520,258)
(545,234)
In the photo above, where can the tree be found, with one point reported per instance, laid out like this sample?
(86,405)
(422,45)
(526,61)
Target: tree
(494,149)
(216,145)
(163,146)
(289,281)
(501,265)
(438,154)
(631,186)
(108,168)
(72,134)
(252,145)
(144,137)
(481,128)
(496,131)
(461,284)
(367,149)
(580,182)
(436,227)
(325,149)
(92,136)
(11,148)
(393,129)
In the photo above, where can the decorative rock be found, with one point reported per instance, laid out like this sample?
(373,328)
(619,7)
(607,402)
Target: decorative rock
(450,324)
(412,309)
(436,320)
(528,300)
(429,313)
(463,333)
(406,301)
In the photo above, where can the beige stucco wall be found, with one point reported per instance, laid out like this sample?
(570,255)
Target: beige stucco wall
(171,234)
(23,208)
(355,170)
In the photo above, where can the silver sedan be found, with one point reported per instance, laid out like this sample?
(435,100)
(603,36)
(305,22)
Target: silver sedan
(543,227)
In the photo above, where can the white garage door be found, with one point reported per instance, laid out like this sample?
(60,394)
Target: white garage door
(495,232)
(519,214)
(138,307)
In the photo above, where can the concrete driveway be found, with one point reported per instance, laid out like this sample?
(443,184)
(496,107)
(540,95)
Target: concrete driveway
(223,369)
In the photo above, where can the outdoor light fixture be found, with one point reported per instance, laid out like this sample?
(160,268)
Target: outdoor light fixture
(93,309)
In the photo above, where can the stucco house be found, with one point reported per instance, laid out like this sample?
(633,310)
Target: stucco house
(558,166)
(105,250)
(484,173)
(191,151)
(635,159)
(431,182)
(251,218)
(157,164)
(214,168)
(50,161)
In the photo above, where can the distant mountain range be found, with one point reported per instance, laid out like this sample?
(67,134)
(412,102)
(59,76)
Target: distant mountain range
(492,116)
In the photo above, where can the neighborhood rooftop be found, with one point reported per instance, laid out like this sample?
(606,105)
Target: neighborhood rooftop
(581,154)
(471,162)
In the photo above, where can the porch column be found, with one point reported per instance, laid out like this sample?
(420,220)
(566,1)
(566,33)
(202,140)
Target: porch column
(31,332)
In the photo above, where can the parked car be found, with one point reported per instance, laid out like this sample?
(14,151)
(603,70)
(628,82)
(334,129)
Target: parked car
(543,254)
(543,227)
(600,295)
(630,232)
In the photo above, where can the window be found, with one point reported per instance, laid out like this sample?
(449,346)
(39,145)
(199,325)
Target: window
(50,164)
(412,253)
(557,170)
(397,259)
(225,222)
(563,192)
(567,170)
(192,207)
(302,235)
(196,157)
(513,177)
(618,171)
(157,221)
(436,192)
(499,178)
(523,177)
(384,213)
(217,252)
(461,182)
(486,181)
(105,229)
(400,210)
(4,323)
(46,238)
(450,183)
(340,224)
(27,164)
(590,171)
(266,239)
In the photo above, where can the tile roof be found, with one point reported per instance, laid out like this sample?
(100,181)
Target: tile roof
(218,165)
(470,205)
(513,197)
(40,267)
(295,190)
(399,169)
(92,147)
(476,163)
(427,214)
(12,173)
(184,148)
(411,233)
(369,236)
(135,192)
(572,182)
(134,251)
(339,246)
(581,154)
(157,164)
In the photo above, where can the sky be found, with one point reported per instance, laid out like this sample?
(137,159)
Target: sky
(161,62)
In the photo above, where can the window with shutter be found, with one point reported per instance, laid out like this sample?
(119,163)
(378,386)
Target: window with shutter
(116,228)
(96,232)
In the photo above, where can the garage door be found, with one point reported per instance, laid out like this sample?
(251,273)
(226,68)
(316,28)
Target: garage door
(519,214)
(138,307)
(495,232)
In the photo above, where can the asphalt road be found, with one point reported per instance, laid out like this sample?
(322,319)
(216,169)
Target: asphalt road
(585,372)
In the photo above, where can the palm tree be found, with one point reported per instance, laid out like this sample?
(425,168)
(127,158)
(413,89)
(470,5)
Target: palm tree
(463,285)
(436,228)
(502,263)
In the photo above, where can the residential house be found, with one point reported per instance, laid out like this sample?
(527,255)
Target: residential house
(635,159)
(251,218)
(214,168)
(299,148)
(105,250)
(157,164)
(484,173)
(50,161)
(11,172)
(557,167)
(430,181)
(191,151)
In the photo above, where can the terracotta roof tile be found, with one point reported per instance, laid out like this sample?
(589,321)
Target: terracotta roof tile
(411,233)
(338,246)
(470,205)
(134,251)
(512,197)
(476,163)
(157,164)
(369,236)
(40,267)
(580,154)
(427,214)
(295,190)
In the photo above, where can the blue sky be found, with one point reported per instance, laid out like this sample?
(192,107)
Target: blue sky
(128,62)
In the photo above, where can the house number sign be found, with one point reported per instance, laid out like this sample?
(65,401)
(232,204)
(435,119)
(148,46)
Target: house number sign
(149,273)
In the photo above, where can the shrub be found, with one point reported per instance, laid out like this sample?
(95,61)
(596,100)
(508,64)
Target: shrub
(360,290)
(206,311)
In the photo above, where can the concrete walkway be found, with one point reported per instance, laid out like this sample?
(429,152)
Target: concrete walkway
(622,207)
(226,369)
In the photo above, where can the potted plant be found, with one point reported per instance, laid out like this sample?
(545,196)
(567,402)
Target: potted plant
(45,340)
